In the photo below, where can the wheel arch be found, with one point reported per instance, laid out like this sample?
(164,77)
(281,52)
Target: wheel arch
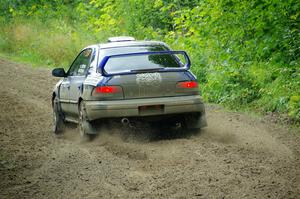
(53,97)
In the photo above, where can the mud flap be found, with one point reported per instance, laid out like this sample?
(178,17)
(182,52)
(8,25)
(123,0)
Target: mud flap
(86,124)
(89,129)
(195,121)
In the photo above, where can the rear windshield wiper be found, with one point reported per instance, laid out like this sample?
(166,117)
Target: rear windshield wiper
(147,70)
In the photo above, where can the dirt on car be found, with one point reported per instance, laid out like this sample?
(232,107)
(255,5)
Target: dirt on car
(236,156)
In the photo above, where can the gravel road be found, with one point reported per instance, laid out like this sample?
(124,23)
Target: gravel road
(236,156)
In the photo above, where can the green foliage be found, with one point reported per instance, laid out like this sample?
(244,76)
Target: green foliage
(53,43)
(244,53)
(294,107)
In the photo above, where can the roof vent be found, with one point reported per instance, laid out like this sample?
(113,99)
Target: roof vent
(120,39)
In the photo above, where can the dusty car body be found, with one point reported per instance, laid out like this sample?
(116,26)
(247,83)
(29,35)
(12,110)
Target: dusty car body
(127,79)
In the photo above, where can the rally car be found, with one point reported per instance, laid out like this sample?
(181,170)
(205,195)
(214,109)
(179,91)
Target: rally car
(127,80)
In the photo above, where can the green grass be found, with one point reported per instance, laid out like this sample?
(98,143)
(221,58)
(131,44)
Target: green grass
(42,44)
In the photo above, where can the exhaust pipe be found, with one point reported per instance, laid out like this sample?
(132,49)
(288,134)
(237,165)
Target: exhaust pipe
(125,121)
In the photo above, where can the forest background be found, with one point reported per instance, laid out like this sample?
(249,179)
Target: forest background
(246,54)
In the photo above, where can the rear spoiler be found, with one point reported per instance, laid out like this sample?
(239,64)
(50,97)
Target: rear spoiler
(106,58)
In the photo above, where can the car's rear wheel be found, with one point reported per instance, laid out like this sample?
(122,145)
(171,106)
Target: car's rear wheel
(58,122)
(192,123)
(85,127)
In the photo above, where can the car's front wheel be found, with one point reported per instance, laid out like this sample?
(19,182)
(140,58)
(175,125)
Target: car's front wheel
(58,122)
(85,127)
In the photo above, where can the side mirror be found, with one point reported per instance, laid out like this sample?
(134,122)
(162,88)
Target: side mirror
(59,72)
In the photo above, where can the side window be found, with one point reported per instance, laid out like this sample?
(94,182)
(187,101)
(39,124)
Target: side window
(81,63)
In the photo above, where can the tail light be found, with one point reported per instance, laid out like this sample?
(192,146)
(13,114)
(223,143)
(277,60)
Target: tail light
(188,88)
(108,89)
(108,92)
(187,84)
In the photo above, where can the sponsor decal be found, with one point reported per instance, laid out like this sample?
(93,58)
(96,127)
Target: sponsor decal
(148,79)
(148,83)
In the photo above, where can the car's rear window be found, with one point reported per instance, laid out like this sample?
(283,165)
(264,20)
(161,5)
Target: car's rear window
(138,62)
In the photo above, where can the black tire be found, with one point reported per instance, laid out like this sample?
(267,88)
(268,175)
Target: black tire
(191,124)
(58,121)
(86,130)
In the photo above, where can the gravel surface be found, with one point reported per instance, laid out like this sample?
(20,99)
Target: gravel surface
(236,156)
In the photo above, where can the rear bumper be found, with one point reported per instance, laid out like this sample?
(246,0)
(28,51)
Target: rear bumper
(130,108)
